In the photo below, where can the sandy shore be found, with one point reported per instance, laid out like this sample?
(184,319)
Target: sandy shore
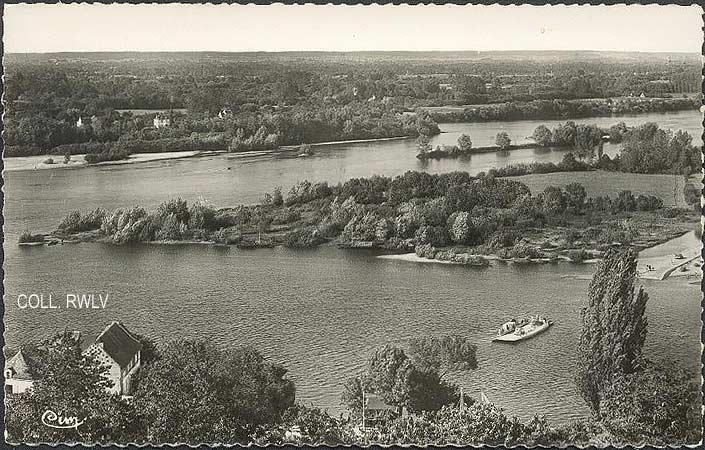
(37,162)
(657,263)
(412,257)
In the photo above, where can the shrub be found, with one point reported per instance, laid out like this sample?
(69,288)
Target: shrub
(285,216)
(672,213)
(427,251)
(176,207)
(125,225)
(658,405)
(202,216)
(465,143)
(648,202)
(277,198)
(303,238)
(570,164)
(501,239)
(362,227)
(523,250)
(578,256)
(171,228)
(502,140)
(542,136)
(434,235)
(115,153)
(74,222)
(27,237)
(625,201)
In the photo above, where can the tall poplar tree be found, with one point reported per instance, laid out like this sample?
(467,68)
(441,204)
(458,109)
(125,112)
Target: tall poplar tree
(614,327)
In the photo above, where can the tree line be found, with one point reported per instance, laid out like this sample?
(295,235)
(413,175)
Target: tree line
(644,149)
(562,109)
(244,131)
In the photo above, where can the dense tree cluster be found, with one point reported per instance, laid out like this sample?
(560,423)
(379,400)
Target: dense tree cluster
(309,97)
(194,392)
(413,381)
(415,211)
(650,149)
(583,138)
(561,109)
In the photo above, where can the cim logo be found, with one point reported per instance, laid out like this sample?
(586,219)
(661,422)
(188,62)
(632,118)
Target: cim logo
(59,421)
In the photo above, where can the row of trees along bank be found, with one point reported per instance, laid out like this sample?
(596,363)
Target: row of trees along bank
(644,149)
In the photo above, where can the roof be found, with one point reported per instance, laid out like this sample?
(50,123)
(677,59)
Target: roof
(119,343)
(22,364)
(376,404)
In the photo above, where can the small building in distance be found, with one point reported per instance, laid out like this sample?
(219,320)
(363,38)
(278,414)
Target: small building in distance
(19,373)
(83,121)
(121,352)
(225,112)
(161,120)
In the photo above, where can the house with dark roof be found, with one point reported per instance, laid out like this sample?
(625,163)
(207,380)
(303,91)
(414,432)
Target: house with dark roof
(376,411)
(121,353)
(19,373)
(115,347)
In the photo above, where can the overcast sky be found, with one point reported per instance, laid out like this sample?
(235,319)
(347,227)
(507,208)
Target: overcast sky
(84,27)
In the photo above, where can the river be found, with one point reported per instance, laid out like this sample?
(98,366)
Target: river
(319,312)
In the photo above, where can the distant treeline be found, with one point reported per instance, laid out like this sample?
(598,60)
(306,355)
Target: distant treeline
(563,109)
(244,131)
(201,82)
(312,98)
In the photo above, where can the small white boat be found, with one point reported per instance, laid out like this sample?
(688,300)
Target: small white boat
(514,331)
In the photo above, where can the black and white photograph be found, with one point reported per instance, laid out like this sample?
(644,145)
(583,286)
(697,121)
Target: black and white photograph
(352,225)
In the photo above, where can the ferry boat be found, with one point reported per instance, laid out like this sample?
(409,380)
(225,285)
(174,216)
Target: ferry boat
(514,331)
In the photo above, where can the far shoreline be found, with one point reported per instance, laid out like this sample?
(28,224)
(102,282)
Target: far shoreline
(30,163)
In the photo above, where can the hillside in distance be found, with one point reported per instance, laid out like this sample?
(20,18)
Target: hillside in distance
(469,55)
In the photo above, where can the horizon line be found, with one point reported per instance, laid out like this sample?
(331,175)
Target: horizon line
(360,51)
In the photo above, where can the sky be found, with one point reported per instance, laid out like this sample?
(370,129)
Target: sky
(84,27)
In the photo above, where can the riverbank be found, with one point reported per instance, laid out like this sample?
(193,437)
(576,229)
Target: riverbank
(23,163)
(686,264)
(560,109)
(20,163)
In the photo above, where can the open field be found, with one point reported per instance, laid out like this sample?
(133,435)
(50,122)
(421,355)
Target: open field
(611,183)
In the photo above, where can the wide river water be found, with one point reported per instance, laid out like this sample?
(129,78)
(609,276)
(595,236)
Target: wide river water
(320,312)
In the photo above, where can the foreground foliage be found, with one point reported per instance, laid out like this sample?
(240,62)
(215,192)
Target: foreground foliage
(636,401)
(71,383)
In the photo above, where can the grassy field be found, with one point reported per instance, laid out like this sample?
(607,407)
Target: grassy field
(611,183)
